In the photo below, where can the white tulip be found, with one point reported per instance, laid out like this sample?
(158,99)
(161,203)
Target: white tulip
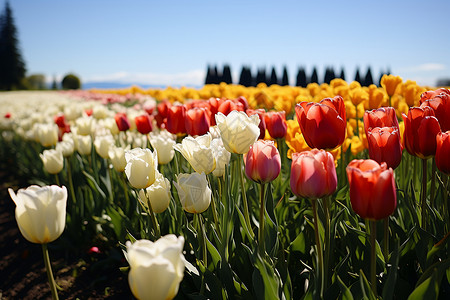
(222,156)
(40,212)
(66,146)
(194,192)
(238,131)
(102,144)
(156,268)
(197,151)
(163,142)
(117,157)
(53,160)
(158,194)
(47,134)
(141,167)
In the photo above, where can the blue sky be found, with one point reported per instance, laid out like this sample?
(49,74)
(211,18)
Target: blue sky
(171,42)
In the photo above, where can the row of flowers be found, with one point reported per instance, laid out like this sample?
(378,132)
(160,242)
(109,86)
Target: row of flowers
(225,139)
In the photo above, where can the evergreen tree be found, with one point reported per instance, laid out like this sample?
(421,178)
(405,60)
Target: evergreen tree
(301,78)
(209,74)
(226,75)
(261,76)
(54,84)
(314,77)
(342,75)
(218,76)
(285,79)
(368,80)
(245,78)
(357,75)
(273,77)
(12,70)
(329,75)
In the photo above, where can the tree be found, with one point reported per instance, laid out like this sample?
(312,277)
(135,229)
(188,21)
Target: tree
(301,78)
(12,70)
(273,77)
(368,80)
(246,78)
(36,82)
(285,78)
(261,76)
(71,82)
(357,75)
(314,77)
(226,75)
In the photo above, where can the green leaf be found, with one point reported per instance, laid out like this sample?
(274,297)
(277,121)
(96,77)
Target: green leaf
(436,248)
(389,286)
(299,244)
(94,185)
(428,289)
(345,291)
(264,280)
(365,287)
(213,252)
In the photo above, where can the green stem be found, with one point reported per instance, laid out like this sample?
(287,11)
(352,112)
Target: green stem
(433,181)
(244,195)
(423,197)
(373,239)
(386,240)
(319,251)
(48,267)
(214,211)
(69,176)
(327,243)
(262,209)
(125,192)
(57,180)
(202,241)
(152,216)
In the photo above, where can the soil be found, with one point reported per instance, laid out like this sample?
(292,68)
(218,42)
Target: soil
(22,270)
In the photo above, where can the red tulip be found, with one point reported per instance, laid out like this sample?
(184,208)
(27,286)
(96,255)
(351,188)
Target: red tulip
(60,120)
(122,121)
(313,174)
(262,162)
(197,121)
(262,124)
(175,119)
(229,105)
(243,101)
(276,124)
(381,117)
(421,128)
(385,146)
(143,123)
(163,108)
(7,115)
(323,124)
(443,152)
(439,101)
(372,189)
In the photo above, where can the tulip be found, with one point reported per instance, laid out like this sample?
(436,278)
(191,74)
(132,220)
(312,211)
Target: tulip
(197,151)
(158,194)
(84,125)
(197,121)
(117,157)
(440,103)
(221,155)
(238,131)
(372,189)
(313,174)
(47,134)
(262,162)
(143,123)
(176,115)
(194,192)
(385,145)
(53,160)
(122,121)
(443,151)
(60,120)
(228,106)
(156,268)
(421,128)
(323,124)
(276,124)
(102,145)
(40,212)
(83,144)
(381,117)
(390,83)
(141,167)
(66,147)
(163,143)
(262,124)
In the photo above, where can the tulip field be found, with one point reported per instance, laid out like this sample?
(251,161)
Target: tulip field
(333,191)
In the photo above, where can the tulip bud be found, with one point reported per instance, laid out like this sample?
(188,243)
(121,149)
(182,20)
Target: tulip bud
(323,124)
(53,161)
(440,103)
(122,121)
(143,124)
(276,124)
(390,83)
(197,151)
(158,194)
(262,162)
(102,145)
(194,192)
(141,167)
(313,174)
(84,125)
(238,131)
(381,117)
(372,189)
(47,134)
(40,212)
(163,143)
(117,157)
(385,146)
(176,119)
(262,120)
(83,144)
(66,147)
(443,151)
(197,121)
(160,263)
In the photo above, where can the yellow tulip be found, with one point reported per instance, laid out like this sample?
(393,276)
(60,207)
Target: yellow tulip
(390,83)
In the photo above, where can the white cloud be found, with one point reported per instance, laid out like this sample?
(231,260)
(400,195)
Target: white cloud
(428,67)
(190,78)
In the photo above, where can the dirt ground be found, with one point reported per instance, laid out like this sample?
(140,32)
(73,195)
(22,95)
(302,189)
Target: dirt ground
(22,270)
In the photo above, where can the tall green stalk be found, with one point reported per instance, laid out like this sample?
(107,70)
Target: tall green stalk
(152,216)
(262,210)
(48,267)
(386,239)
(327,242)
(423,198)
(319,252)
(244,195)
(373,265)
